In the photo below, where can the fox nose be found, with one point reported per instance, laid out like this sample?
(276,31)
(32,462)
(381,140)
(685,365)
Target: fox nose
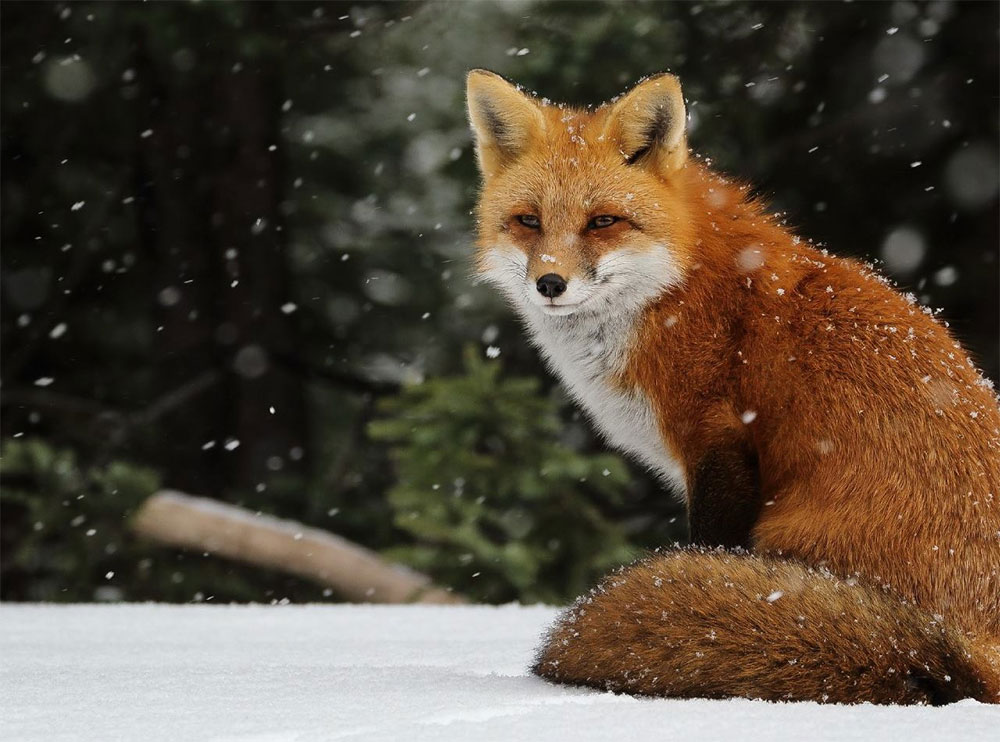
(551,285)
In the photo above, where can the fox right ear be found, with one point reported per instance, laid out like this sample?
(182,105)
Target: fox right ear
(648,123)
(504,120)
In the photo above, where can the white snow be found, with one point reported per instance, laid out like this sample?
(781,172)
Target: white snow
(340,672)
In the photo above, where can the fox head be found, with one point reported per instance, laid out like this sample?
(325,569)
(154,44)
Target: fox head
(580,211)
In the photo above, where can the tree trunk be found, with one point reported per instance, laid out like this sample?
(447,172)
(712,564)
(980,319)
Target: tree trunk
(210,187)
(250,238)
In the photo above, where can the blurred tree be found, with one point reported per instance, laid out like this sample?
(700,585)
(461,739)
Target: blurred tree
(210,210)
(70,545)
(64,538)
(484,483)
(209,186)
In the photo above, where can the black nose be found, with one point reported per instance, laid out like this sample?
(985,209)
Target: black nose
(551,285)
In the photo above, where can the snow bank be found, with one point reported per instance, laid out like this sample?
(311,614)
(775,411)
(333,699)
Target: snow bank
(284,673)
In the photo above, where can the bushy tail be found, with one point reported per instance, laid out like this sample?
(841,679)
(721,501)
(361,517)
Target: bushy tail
(707,624)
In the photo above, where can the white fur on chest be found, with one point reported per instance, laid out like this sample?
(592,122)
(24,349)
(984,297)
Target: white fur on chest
(588,353)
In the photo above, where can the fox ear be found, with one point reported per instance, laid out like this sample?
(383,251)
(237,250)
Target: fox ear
(504,120)
(648,124)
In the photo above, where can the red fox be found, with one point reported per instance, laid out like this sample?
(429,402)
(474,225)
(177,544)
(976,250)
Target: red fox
(837,451)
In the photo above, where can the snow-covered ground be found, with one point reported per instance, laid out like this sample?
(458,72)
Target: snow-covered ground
(284,673)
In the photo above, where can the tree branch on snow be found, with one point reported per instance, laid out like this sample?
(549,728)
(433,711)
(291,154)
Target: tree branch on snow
(205,525)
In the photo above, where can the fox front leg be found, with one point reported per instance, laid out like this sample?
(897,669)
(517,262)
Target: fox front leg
(724,501)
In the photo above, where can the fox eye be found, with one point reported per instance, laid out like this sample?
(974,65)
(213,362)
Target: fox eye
(529,220)
(600,222)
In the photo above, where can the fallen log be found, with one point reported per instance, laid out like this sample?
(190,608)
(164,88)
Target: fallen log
(356,573)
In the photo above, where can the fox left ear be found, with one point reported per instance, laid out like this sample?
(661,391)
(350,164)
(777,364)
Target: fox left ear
(648,123)
(505,120)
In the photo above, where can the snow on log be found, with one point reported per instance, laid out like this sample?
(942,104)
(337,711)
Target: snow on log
(357,573)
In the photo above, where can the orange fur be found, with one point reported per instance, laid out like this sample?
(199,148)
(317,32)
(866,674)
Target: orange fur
(696,624)
(876,439)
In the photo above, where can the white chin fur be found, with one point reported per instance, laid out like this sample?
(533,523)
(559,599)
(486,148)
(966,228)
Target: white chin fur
(559,310)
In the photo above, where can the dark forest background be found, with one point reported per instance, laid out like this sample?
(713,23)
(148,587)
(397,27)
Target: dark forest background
(235,262)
